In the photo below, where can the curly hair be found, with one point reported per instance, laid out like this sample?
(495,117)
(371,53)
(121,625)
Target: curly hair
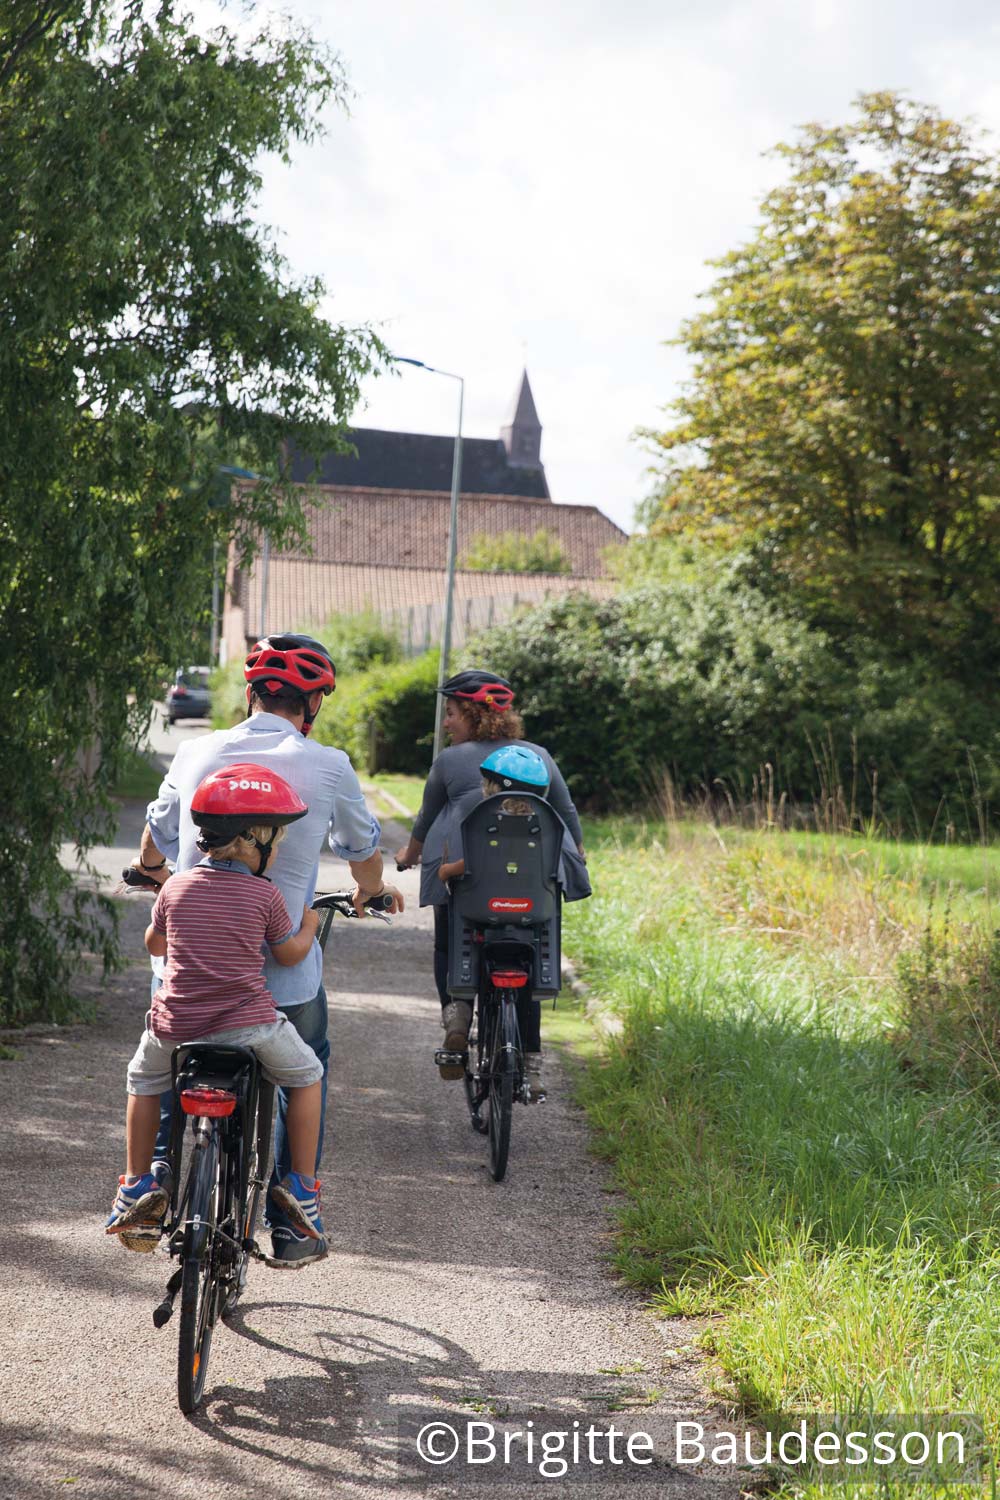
(239,848)
(488,723)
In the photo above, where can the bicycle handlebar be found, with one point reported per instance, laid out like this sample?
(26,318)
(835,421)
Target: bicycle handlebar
(335,901)
(341,901)
(138,881)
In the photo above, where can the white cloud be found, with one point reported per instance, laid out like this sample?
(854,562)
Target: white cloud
(545,184)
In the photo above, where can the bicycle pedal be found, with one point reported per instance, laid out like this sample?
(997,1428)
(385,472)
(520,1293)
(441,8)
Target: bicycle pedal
(292,1265)
(449,1059)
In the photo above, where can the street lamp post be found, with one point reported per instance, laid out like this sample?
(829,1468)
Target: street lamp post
(231,472)
(449,596)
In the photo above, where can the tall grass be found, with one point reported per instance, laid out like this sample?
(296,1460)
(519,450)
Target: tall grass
(799,1147)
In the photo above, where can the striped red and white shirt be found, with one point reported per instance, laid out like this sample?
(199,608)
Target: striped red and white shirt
(215,919)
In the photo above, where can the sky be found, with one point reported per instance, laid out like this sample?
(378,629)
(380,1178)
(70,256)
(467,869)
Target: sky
(541,185)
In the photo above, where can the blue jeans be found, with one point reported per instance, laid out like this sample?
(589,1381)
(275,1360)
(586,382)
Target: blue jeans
(310,1021)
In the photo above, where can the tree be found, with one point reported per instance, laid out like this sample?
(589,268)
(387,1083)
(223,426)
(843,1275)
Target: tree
(843,420)
(514,552)
(151,333)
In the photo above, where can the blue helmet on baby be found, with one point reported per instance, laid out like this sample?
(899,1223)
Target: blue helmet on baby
(518,769)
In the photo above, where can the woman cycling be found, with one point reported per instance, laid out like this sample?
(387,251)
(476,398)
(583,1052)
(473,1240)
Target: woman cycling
(479,717)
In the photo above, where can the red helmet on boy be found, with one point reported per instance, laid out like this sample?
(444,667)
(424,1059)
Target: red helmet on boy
(235,798)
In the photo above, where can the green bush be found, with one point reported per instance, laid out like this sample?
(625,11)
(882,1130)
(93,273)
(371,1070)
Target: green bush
(514,552)
(384,718)
(358,641)
(711,681)
(229,694)
(950,986)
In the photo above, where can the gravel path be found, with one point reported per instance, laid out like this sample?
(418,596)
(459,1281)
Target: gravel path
(445,1295)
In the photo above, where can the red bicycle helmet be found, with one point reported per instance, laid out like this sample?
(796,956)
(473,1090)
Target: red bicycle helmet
(476,686)
(295,661)
(233,799)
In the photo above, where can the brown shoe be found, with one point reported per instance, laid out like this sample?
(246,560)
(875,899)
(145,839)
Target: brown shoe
(534,1075)
(456,1018)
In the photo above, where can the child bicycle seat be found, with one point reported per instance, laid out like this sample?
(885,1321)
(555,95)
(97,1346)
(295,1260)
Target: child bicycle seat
(208,1065)
(509,892)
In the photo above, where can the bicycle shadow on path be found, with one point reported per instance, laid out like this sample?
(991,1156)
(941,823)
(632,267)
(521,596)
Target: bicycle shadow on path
(373,1373)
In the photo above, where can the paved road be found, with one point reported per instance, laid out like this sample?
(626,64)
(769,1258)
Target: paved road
(163,737)
(444,1294)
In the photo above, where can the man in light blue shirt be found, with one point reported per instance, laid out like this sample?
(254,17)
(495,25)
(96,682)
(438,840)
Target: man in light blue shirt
(288,678)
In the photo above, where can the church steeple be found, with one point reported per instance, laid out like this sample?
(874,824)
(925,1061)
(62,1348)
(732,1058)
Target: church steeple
(522,437)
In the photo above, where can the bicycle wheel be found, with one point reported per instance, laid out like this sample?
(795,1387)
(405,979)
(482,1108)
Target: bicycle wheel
(256,1181)
(199,1280)
(473,1081)
(502,1063)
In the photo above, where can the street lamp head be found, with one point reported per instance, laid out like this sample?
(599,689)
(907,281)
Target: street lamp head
(238,473)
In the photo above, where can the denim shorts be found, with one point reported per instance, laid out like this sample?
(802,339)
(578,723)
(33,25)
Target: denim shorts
(285,1058)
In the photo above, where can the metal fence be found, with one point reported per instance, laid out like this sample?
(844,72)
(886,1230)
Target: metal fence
(419,627)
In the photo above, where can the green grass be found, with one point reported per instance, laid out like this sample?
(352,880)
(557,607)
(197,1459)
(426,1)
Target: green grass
(406,789)
(780,1164)
(140,779)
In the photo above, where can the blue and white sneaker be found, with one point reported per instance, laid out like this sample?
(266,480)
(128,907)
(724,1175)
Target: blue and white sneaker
(293,1250)
(143,1238)
(299,1197)
(140,1201)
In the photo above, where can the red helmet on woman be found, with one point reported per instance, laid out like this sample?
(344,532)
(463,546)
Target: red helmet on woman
(234,799)
(476,686)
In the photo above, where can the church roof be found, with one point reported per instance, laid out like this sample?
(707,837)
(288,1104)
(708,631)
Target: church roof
(407,529)
(422,461)
(523,413)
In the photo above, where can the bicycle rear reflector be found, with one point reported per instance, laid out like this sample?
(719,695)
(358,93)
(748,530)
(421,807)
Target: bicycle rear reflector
(506,980)
(212,1102)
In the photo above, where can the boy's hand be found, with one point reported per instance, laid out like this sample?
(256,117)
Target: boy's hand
(310,920)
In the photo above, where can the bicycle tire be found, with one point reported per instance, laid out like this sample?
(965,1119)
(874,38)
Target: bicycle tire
(256,1182)
(502,1065)
(472,1081)
(199,1278)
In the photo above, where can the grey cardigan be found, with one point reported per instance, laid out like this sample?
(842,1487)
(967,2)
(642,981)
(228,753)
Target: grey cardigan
(453,788)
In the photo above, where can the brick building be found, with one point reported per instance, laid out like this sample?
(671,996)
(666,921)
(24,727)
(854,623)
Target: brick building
(378,531)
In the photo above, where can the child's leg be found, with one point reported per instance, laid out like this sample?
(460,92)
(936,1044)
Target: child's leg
(142,1120)
(304,1109)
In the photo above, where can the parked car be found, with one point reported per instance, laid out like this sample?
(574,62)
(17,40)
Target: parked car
(189,697)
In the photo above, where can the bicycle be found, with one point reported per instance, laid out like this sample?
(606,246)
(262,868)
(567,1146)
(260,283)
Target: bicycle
(497,1077)
(210,1221)
(504,944)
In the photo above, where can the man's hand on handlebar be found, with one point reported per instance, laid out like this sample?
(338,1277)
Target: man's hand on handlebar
(150,877)
(359,897)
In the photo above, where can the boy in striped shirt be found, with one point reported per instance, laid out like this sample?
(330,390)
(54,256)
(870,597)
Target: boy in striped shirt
(211,924)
